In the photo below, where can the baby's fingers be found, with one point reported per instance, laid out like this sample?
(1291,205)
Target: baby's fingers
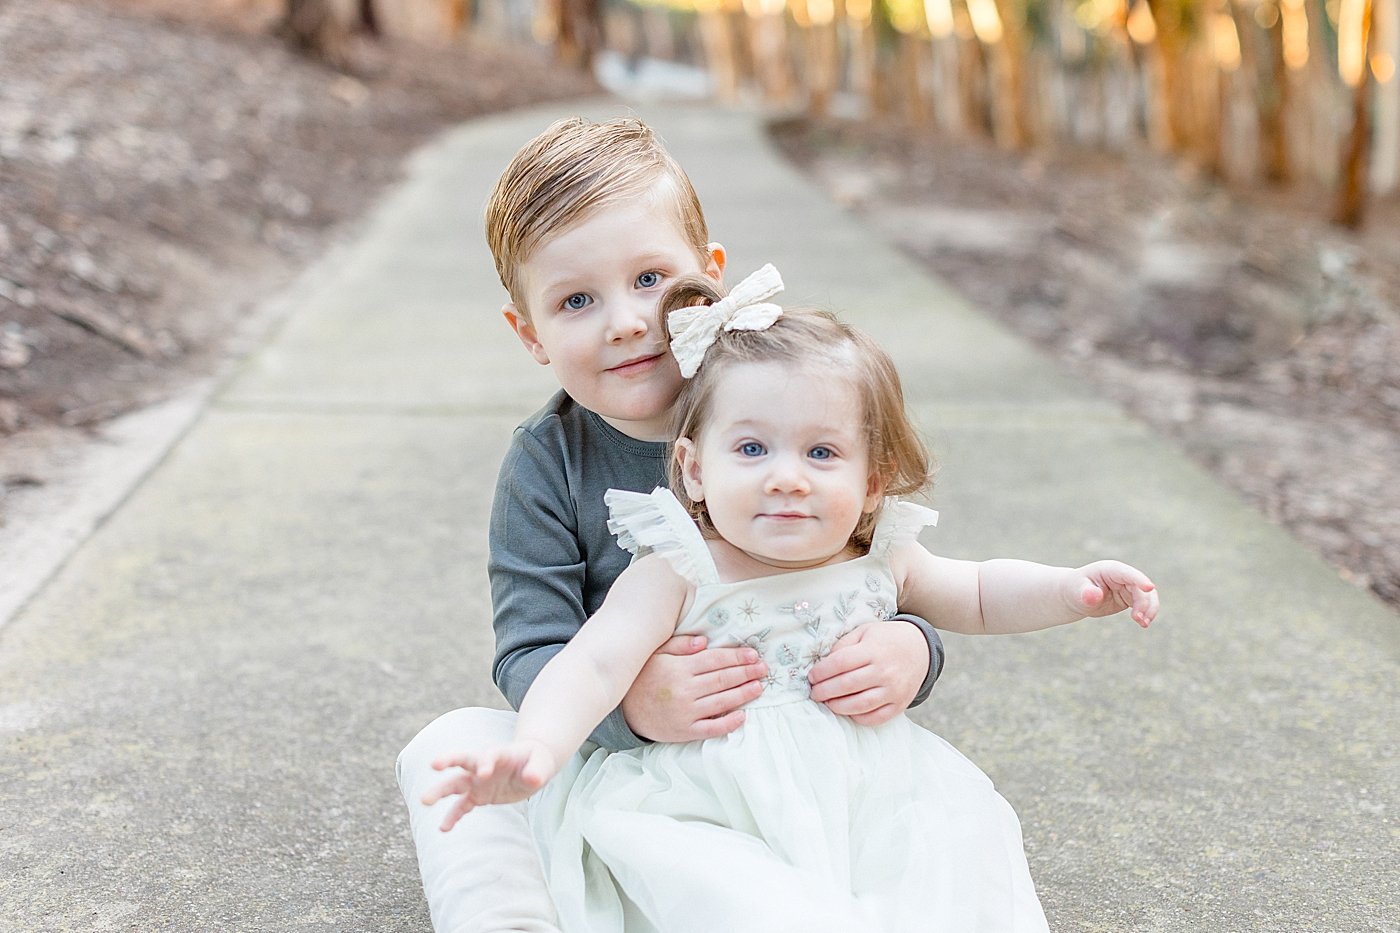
(1135,590)
(464,760)
(1145,605)
(457,783)
(461,808)
(1131,589)
(1116,574)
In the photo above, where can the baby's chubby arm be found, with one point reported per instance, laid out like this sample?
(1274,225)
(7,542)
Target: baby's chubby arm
(1001,596)
(575,690)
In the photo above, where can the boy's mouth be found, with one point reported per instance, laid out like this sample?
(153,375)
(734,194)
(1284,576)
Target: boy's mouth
(635,365)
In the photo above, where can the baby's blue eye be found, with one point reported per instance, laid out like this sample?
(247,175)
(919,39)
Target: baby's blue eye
(577,301)
(821,453)
(751,449)
(649,279)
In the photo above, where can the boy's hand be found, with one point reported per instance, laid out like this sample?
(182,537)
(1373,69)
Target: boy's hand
(1108,586)
(685,693)
(873,673)
(504,774)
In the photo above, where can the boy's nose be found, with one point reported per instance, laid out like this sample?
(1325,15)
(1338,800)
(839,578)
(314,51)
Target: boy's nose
(628,320)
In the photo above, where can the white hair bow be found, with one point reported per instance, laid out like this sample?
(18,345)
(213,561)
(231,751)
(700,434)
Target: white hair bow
(694,329)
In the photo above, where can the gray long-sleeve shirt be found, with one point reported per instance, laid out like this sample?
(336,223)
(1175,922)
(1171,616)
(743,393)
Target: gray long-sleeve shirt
(552,557)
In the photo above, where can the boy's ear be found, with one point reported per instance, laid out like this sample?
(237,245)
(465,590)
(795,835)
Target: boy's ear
(714,267)
(685,454)
(526,332)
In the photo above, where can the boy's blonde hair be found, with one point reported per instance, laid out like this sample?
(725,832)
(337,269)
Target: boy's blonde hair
(808,337)
(569,172)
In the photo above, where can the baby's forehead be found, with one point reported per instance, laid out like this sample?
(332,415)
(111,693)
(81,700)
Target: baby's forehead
(810,392)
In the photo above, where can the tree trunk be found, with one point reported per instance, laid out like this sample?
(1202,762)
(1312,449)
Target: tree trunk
(578,31)
(864,78)
(1011,60)
(1276,100)
(1325,97)
(326,29)
(1175,75)
(768,45)
(312,27)
(368,20)
(914,64)
(717,39)
(948,97)
(1385,150)
(1242,115)
(1353,189)
(822,67)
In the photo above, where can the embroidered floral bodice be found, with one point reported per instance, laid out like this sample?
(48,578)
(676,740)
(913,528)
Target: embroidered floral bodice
(792,619)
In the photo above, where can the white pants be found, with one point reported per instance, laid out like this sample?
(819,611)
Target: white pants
(485,875)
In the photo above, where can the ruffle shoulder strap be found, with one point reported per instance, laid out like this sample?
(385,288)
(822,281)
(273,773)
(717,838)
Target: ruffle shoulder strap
(899,522)
(656,522)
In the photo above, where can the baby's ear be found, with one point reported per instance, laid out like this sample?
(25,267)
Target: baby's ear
(874,492)
(714,267)
(685,454)
(525,331)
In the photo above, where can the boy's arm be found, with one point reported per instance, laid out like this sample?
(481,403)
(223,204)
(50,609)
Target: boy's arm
(537,576)
(1010,596)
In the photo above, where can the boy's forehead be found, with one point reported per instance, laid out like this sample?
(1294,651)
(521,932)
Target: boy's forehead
(645,214)
(657,199)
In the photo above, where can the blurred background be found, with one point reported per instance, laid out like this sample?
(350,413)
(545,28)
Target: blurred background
(1190,203)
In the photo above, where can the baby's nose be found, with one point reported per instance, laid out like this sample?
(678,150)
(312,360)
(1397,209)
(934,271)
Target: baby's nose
(787,475)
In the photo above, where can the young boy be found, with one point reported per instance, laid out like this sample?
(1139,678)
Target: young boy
(588,225)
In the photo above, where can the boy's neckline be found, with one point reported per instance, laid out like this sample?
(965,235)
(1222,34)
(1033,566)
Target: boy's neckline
(623,439)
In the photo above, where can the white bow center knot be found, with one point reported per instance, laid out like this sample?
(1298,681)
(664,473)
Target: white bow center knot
(694,329)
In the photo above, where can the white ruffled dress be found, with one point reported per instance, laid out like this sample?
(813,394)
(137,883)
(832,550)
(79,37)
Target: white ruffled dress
(801,820)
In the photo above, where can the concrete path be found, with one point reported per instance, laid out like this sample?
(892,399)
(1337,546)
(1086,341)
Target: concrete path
(199,714)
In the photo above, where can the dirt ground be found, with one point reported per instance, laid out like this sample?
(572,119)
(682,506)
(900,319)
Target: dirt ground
(165,165)
(1241,324)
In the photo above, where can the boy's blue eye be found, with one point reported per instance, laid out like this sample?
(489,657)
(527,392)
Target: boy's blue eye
(649,279)
(577,301)
(821,453)
(751,449)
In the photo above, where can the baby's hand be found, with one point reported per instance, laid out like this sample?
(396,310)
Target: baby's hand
(504,774)
(1108,586)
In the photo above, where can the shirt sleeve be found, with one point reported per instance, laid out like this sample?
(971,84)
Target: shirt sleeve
(537,572)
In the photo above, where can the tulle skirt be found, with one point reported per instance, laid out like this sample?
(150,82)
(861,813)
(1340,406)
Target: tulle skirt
(801,820)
